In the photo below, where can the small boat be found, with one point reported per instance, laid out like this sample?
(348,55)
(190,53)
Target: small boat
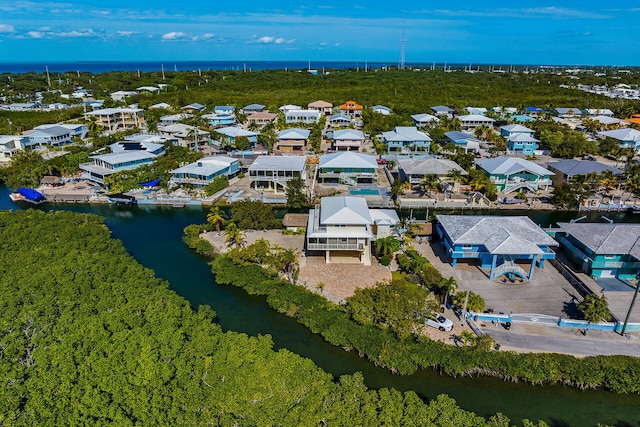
(121,199)
(28,195)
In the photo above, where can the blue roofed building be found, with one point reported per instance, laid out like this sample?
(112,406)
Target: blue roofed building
(406,139)
(348,167)
(205,170)
(224,109)
(229,135)
(627,138)
(339,120)
(220,119)
(504,245)
(443,111)
(293,140)
(520,139)
(463,140)
(565,170)
(425,120)
(51,136)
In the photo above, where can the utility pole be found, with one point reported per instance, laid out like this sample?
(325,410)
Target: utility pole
(633,302)
(464,307)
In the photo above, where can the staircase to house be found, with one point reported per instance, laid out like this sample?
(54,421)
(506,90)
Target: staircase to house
(509,267)
(347,179)
(518,186)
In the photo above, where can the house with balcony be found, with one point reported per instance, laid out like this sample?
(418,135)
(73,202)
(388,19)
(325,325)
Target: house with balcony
(479,111)
(425,120)
(52,136)
(224,109)
(347,140)
(271,173)
(172,119)
(220,119)
(114,119)
(262,118)
(443,111)
(76,129)
(627,138)
(339,121)
(289,107)
(321,106)
(344,228)
(302,116)
(413,170)
(10,145)
(472,121)
(603,251)
(464,140)
(228,136)
(185,135)
(568,112)
(252,109)
(351,109)
(125,155)
(520,139)
(567,169)
(194,107)
(593,112)
(293,140)
(511,174)
(406,139)
(202,172)
(504,245)
(348,167)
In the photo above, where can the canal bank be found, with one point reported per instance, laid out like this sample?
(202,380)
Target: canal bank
(153,236)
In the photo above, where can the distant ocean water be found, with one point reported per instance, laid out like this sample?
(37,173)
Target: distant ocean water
(146,66)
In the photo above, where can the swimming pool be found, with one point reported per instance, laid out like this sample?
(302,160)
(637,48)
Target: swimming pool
(364,192)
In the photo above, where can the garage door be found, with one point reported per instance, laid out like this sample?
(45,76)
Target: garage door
(607,274)
(344,257)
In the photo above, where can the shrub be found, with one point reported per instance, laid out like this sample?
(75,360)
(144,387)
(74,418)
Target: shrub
(385,260)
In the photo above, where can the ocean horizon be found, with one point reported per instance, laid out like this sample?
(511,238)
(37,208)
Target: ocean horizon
(97,67)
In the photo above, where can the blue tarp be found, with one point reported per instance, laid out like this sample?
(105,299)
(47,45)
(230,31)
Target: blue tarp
(31,194)
(153,183)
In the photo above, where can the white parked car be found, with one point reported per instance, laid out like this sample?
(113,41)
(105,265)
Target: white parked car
(440,322)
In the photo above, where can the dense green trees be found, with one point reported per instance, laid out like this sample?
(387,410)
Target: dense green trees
(90,337)
(595,308)
(254,215)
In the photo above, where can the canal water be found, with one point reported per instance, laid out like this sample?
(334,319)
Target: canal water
(153,236)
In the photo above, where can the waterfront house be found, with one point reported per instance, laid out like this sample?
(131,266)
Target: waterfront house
(252,109)
(413,170)
(505,245)
(203,171)
(262,118)
(10,145)
(339,120)
(463,140)
(293,140)
(381,109)
(302,116)
(125,155)
(520,139)
(348,167)
(351,109)
(565,170)
(406,139)
(627,138)
(347,140)
(511,174)
(114,119)
(424,120)
(603,251)
(220,119)
(322,106)
(443,111)
(344,228)
(473,121)
(271,173)
(55,135)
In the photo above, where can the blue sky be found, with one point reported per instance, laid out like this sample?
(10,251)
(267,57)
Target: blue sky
(583,32)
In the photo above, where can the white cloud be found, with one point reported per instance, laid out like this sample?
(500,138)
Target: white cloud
(174,35)
(126,33)
(35,34)
(5,28)
(274,40)
(74,33)
(206,36)
(266,40)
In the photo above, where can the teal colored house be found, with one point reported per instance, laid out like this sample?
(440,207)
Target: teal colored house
(511,174)
(520,139)
(406,139)
(603,251)
(504,245)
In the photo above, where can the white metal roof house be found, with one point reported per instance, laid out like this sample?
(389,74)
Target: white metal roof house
(55,135)
(347,140)
(498,242)
(513,173)
(10,145)
(302,116)
(442,110)
(113,119)
(186,135)
(348,167)
(599,112)
(271,173)
(172,119)
(473,121)
(423,120)
(381,109)
(205,170)
(565,170)
(627,138)
(413,170)
(126,157)
(253,108)
(293,140)
(339,120)
(568,112)
(463,140)
(481,111)
(406,139)
(344,227)
(289,107)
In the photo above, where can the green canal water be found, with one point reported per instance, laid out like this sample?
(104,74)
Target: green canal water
(153,236)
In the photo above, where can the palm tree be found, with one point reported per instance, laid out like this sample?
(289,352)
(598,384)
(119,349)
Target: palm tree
(456,176)
(233,235)
(216,217)
(431,182)
(595,308)
(288,259)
